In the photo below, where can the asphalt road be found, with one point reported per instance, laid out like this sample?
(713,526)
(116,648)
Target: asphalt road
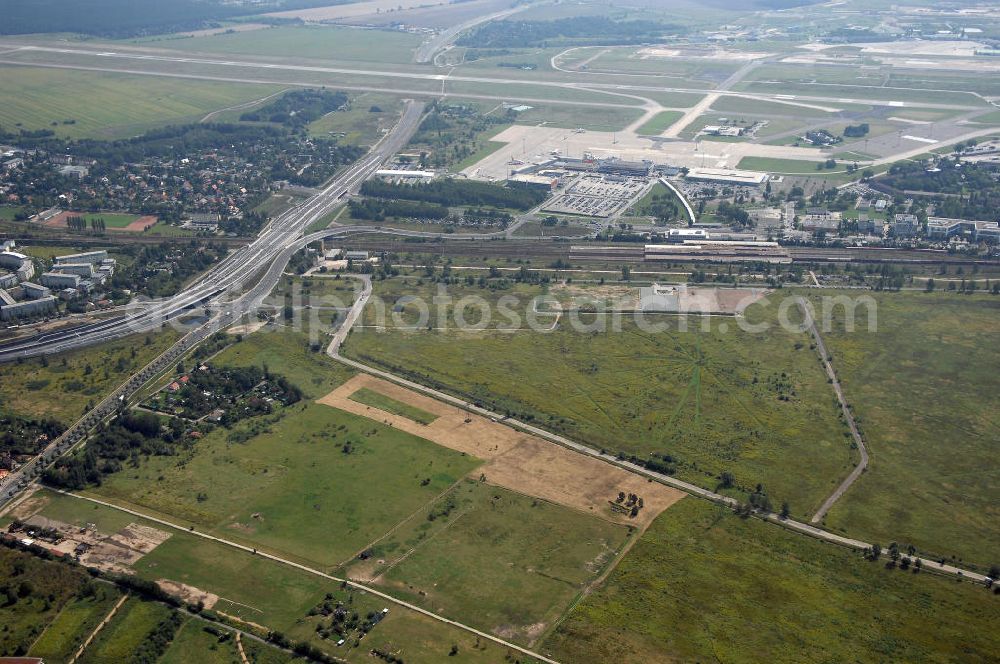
(229,279)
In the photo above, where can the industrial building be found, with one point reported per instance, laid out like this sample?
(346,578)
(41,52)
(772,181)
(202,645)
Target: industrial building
(19,263)
(904,225)
(677,235)
(12,260)
(615,166)
(539,182)
(86,257)
(941,228)
(85,270)
(727,176)
(722,130)
(721,252)
(396,174)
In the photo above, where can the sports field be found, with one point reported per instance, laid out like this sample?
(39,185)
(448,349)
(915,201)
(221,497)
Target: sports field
(925,389)
(106,105)
(703,585)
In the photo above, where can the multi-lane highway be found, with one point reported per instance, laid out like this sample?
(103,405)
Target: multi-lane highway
(233,288)
(229,279)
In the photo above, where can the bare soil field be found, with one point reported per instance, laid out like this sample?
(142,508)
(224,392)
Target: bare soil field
(545,470)
(517,461)
(140,224)
(189,594)
(117,552)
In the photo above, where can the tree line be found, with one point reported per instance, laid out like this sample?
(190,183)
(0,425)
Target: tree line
(452,192)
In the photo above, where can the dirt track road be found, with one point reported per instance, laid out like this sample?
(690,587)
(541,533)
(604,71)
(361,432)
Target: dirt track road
(848,417)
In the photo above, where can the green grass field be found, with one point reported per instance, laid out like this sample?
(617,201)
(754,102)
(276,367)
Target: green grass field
(126,631)
(659,123)
(308,42)
(61,386)
(703,585)
(360,124)
(798,167)
(107,105)
(303,485)
(64,635)
(7,212)
(193,644)
(714,400)
(254,589)
(390,405)
(591,118)
(507,563)
(925,389)
(111,219)
(288,353)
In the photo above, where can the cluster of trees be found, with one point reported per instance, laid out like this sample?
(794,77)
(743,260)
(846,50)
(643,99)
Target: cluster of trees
(733,214)
(146,276)
(129,437)
(452,192)
(77,223)
(222,388)
(579,30)
(298,108)
(486,217)
(967,191)
(856,131)
(381,209)
(158,640)
(20,435)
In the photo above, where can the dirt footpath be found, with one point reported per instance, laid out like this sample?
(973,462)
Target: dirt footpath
(515,460)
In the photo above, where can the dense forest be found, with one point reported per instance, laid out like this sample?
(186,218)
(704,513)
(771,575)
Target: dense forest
(959,190)
(457,192)
(596,30)
(298,108)
(380,209)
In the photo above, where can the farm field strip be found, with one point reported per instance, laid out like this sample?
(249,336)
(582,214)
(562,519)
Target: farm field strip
(315,572)
(515,461)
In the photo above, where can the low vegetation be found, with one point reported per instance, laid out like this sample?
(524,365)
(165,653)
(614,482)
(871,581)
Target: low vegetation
(700,572)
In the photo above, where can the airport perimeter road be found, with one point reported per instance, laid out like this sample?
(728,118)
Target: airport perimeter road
(430,48)
(235,272)
(844,408)
(687,487)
